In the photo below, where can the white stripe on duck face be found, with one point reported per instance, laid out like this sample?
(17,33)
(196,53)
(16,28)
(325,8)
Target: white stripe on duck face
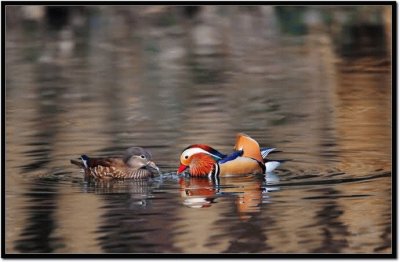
(192,151)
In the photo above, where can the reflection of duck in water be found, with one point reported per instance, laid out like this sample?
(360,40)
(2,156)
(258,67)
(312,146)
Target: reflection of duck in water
(248,158)
(136,188)
(201,192)
(135,163)
(197,192)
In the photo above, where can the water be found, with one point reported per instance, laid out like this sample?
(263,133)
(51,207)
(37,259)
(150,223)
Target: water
(164,86)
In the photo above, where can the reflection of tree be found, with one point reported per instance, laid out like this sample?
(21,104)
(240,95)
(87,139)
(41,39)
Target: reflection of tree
(386,239)
(333,232)
(372,229)
(247,237)
(131,221)
(37,234)
(362,104)
(46,122)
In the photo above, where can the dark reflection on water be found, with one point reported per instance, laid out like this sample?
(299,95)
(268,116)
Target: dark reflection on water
(37,234)
(334,232)
(133,219)
(103,79)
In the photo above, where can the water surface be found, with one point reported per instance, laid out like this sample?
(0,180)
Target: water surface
(164,86)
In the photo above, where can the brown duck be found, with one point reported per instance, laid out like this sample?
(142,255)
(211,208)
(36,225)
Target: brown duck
(135,164)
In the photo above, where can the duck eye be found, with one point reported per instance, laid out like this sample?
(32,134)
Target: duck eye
(142,156)
(186,157)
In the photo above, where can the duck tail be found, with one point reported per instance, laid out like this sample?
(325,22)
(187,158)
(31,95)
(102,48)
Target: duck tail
(77,163)
(83,163)
(265,151)
(272,165)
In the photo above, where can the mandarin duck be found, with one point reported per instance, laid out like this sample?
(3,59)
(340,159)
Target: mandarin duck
(135,163)
(247,158)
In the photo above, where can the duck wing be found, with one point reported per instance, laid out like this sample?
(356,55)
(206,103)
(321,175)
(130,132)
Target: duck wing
(249,146)
(92,162)
(231,157)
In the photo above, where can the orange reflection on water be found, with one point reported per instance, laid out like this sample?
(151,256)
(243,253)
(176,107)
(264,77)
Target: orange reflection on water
(203,192)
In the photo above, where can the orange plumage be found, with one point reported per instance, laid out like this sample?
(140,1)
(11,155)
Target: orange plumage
(203,160)
(250,147)
(201,164)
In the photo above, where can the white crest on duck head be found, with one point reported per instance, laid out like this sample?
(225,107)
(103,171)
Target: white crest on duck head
(186,154)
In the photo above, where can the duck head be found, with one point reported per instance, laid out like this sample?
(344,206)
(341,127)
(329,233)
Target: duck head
(137,157)
(199,160)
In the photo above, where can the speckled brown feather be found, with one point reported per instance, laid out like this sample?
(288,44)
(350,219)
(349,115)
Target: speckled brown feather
(117,171)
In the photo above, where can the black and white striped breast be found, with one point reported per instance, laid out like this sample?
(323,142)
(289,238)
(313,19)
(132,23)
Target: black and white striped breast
(215,171)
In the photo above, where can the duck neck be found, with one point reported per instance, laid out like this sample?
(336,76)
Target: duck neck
(202,165)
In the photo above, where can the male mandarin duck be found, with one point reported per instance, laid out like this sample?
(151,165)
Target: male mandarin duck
(135,163)
(248,158)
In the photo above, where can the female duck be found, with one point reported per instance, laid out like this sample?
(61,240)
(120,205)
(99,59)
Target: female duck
(135,164)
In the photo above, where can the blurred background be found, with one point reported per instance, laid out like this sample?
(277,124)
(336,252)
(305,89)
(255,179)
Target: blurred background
(313,81)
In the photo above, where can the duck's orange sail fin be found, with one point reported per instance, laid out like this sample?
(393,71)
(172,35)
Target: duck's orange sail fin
(250,147)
